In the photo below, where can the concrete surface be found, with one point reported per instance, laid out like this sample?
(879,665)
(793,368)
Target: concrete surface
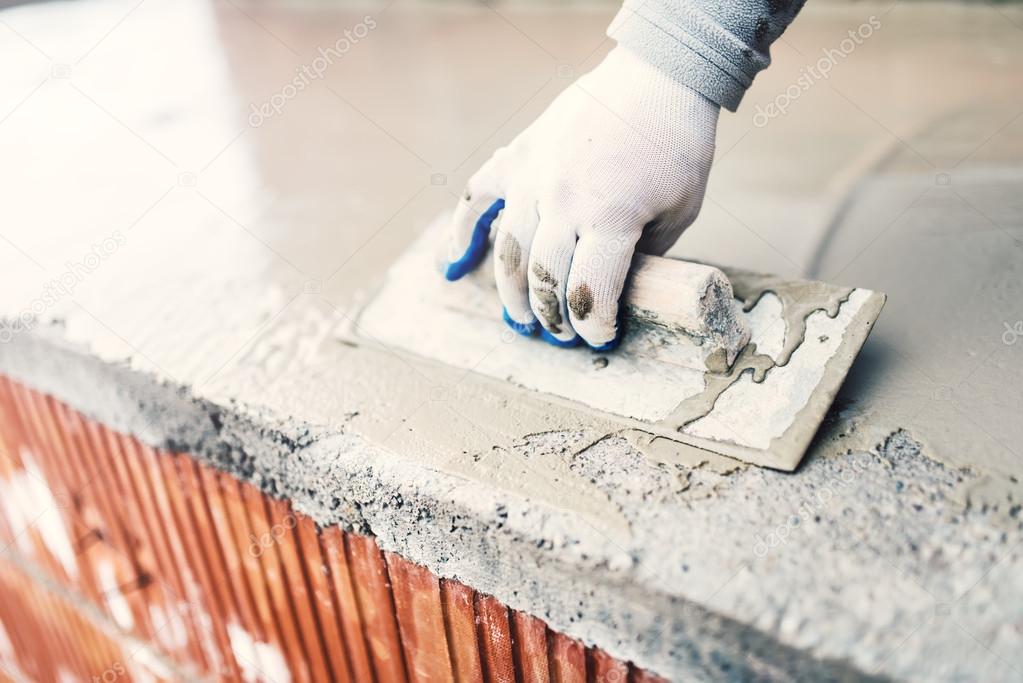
(177,259)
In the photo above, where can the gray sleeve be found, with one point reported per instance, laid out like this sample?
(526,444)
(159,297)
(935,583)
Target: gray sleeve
(714,47)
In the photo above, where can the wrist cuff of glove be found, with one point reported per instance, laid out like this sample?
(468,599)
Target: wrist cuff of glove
(691,49)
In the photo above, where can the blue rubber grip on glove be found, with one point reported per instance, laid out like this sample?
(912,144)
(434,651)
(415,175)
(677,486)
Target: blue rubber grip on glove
(609,346)
(525,329)
(477,244)
(475,252)
(554,341)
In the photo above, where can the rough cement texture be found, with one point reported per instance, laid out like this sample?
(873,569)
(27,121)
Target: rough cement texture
(894,551)
(870,529)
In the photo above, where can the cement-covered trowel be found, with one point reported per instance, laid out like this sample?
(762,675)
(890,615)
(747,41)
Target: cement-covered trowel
(739,364)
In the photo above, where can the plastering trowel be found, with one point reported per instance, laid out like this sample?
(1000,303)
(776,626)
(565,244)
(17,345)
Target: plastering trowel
(739,364)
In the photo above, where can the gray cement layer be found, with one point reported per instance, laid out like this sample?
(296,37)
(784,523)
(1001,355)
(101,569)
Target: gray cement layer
(180,273)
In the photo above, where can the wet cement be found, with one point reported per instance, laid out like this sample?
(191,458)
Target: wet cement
(719,378)
(798,299)
(658,382)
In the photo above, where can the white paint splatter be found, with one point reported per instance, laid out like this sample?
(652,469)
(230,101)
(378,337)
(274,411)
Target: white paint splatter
(170,627)
(29,503)
(142,675)
(259,661)
(209,645)
(115,600)
(7,652)
(151,666)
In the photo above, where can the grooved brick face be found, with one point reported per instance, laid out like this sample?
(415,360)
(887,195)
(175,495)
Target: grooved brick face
(45,638)
(125,562)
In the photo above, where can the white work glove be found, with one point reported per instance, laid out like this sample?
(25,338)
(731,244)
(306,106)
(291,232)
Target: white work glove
(618,162)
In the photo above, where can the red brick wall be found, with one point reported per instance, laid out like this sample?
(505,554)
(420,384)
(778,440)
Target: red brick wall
(47,639)
(227,581)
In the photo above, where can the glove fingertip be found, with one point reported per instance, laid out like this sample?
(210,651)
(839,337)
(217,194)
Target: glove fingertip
(609,346)
(478,243)
(614,343)
(525,329)
(561,344)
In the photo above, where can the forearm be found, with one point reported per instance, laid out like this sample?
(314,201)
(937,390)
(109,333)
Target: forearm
(715,48)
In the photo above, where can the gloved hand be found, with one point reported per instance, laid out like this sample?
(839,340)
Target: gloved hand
(618,162)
